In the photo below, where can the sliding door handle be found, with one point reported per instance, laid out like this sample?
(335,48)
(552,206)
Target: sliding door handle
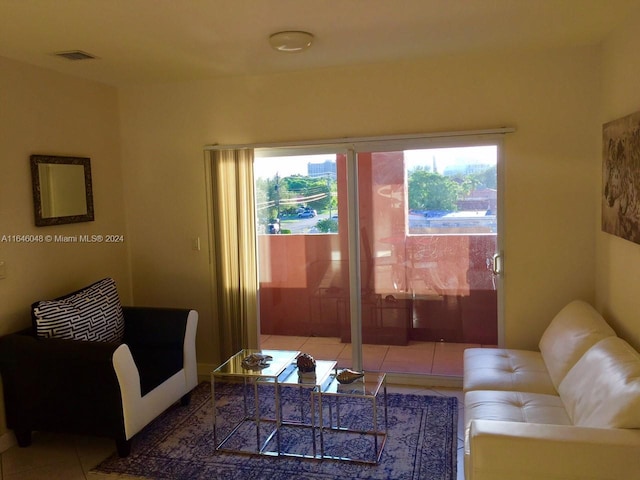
(497,264)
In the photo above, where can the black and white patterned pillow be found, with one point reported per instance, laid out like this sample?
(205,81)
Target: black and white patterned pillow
(94,313)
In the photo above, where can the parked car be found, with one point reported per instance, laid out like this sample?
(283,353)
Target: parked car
(307,214)
(273,227)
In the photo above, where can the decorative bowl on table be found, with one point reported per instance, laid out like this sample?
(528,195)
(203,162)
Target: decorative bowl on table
(256,361)
(349,376)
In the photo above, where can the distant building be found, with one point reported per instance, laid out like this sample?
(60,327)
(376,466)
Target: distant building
(485,199)
(324,169)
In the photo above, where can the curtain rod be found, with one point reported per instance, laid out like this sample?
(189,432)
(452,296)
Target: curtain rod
(358,140)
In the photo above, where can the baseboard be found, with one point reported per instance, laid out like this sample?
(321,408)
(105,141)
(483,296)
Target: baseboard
(7,440)
(204,371)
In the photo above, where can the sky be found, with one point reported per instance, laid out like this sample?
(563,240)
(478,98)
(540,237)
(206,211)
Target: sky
(446,157)
(286,166)
(267,167)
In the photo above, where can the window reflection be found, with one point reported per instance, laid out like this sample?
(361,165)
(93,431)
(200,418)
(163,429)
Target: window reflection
(428,232)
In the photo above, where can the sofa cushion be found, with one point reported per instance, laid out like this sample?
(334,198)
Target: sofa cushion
(603,388)
(506,406)
(514,407)
(502,369)
(575,329)
(93,313)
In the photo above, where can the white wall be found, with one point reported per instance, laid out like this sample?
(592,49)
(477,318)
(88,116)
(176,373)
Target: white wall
(552,98)
(47,113)
(42,112)
(618,265)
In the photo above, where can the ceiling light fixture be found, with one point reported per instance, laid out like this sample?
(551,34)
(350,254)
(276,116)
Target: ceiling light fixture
(291,41)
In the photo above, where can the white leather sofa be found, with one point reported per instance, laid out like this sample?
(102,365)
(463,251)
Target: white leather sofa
(569,411)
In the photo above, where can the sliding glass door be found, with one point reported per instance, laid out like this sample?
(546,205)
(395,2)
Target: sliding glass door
(428,221)
(302,249)
(422,238)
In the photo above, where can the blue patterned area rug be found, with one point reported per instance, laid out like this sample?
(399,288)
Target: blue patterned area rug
(178,445)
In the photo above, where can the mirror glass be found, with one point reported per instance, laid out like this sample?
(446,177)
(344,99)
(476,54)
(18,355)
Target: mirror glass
(62,191)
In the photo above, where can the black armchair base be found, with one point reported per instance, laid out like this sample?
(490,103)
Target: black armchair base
(123,447)
(23,437)
(82,387)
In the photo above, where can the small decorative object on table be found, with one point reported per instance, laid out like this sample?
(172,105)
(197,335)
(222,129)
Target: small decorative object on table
(349,376)
(306,363)
(256,361)
(306,366)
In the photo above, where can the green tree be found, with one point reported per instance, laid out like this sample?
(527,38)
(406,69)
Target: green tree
(432,191)
(315,192)
(487,178)
(263,207)
(269,194)
(327,226)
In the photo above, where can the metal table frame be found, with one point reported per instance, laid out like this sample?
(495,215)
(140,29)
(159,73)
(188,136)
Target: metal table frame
(292,379)
(323,388)
(367,388)
(233,369)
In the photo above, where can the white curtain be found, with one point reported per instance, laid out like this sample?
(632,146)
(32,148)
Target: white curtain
(235,280)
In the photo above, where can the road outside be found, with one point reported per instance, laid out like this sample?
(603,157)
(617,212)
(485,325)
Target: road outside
(302,225)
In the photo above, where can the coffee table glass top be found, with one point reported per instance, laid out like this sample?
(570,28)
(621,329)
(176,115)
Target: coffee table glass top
(281,360)
(367,386)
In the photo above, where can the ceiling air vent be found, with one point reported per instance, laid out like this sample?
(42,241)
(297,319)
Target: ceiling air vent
(75,55)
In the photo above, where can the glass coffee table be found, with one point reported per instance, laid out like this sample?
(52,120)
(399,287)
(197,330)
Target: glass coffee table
(298,411)
(353,418)
(266,410)
(249,425)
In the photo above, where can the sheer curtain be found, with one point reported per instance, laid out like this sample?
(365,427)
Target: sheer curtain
(235,281)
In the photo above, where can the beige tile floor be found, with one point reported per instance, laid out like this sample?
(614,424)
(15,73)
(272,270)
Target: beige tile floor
(71,457)
(430,358)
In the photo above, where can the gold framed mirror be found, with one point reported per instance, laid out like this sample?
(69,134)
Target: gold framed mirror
(62,189)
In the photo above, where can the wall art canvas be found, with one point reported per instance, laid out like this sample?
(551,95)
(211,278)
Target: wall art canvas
(621,177)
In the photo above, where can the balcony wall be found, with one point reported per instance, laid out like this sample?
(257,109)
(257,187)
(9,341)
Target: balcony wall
(446,296)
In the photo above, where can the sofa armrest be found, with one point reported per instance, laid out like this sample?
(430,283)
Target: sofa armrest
(60,385)
(160,341)
(506,450)
(139,406)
